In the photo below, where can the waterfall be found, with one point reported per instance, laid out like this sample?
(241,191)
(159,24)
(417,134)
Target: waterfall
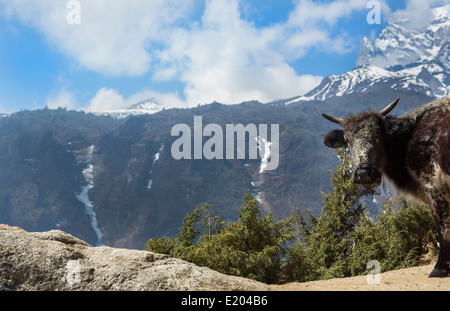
(83,196)
(264,148)
(265,152)
(155,158)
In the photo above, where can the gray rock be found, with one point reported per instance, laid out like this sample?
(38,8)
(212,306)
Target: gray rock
(57,261)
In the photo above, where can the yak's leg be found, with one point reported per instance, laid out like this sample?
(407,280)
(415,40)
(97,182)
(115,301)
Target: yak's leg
(442,268)
(440,209)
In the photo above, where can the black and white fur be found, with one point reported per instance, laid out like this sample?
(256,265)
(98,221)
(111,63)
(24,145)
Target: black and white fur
(411,151)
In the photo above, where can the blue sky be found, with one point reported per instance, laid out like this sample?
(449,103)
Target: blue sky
(177,52)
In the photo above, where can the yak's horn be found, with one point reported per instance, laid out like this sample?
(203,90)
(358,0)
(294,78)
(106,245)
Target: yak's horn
(333,119)
(389,108)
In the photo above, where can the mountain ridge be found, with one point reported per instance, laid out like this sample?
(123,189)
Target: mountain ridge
(58,166)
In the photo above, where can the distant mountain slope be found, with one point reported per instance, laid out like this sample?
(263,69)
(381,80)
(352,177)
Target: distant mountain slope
(116,182)
(179,185)
(41,168)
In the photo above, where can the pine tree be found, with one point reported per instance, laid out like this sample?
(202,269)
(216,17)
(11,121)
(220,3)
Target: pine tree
(328,239)
(397,239)
(251,247)
(337,243)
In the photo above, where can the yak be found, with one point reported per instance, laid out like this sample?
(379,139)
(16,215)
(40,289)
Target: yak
(412,152)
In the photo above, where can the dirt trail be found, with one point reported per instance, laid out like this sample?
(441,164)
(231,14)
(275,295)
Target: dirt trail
(411,279)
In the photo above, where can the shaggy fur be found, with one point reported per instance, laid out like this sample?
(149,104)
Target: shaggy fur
(413,153)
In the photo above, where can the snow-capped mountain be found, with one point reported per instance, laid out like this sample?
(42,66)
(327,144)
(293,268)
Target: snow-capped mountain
(399,44)
(400,58)
(142,107)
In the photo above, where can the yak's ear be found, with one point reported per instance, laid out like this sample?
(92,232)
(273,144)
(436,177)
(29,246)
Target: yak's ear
(335,139)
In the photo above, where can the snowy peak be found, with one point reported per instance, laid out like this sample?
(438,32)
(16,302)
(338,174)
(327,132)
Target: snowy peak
(370,78)
(431,79)
(148,106)
(402,57)
(399,44)
(443,57)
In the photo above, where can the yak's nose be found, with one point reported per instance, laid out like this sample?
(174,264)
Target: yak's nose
(366,175)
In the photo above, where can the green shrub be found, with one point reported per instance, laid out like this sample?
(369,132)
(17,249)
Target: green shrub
(337,243)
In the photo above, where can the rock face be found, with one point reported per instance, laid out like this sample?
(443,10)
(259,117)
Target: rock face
(55,260)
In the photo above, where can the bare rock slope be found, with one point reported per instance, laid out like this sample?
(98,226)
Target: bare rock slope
(55,260)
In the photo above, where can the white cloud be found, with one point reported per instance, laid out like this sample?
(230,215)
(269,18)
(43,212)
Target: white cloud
(227,59)
(106,99)
(218,57)
(310,24)
(417,13)
(308,13)
(63,99)
(113,36)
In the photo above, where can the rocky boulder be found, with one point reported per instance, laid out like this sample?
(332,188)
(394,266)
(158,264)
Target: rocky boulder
(56,260)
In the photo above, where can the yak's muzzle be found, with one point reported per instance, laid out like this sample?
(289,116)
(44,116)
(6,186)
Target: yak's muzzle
(366,175)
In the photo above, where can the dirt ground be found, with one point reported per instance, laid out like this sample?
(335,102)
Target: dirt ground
(411,279)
